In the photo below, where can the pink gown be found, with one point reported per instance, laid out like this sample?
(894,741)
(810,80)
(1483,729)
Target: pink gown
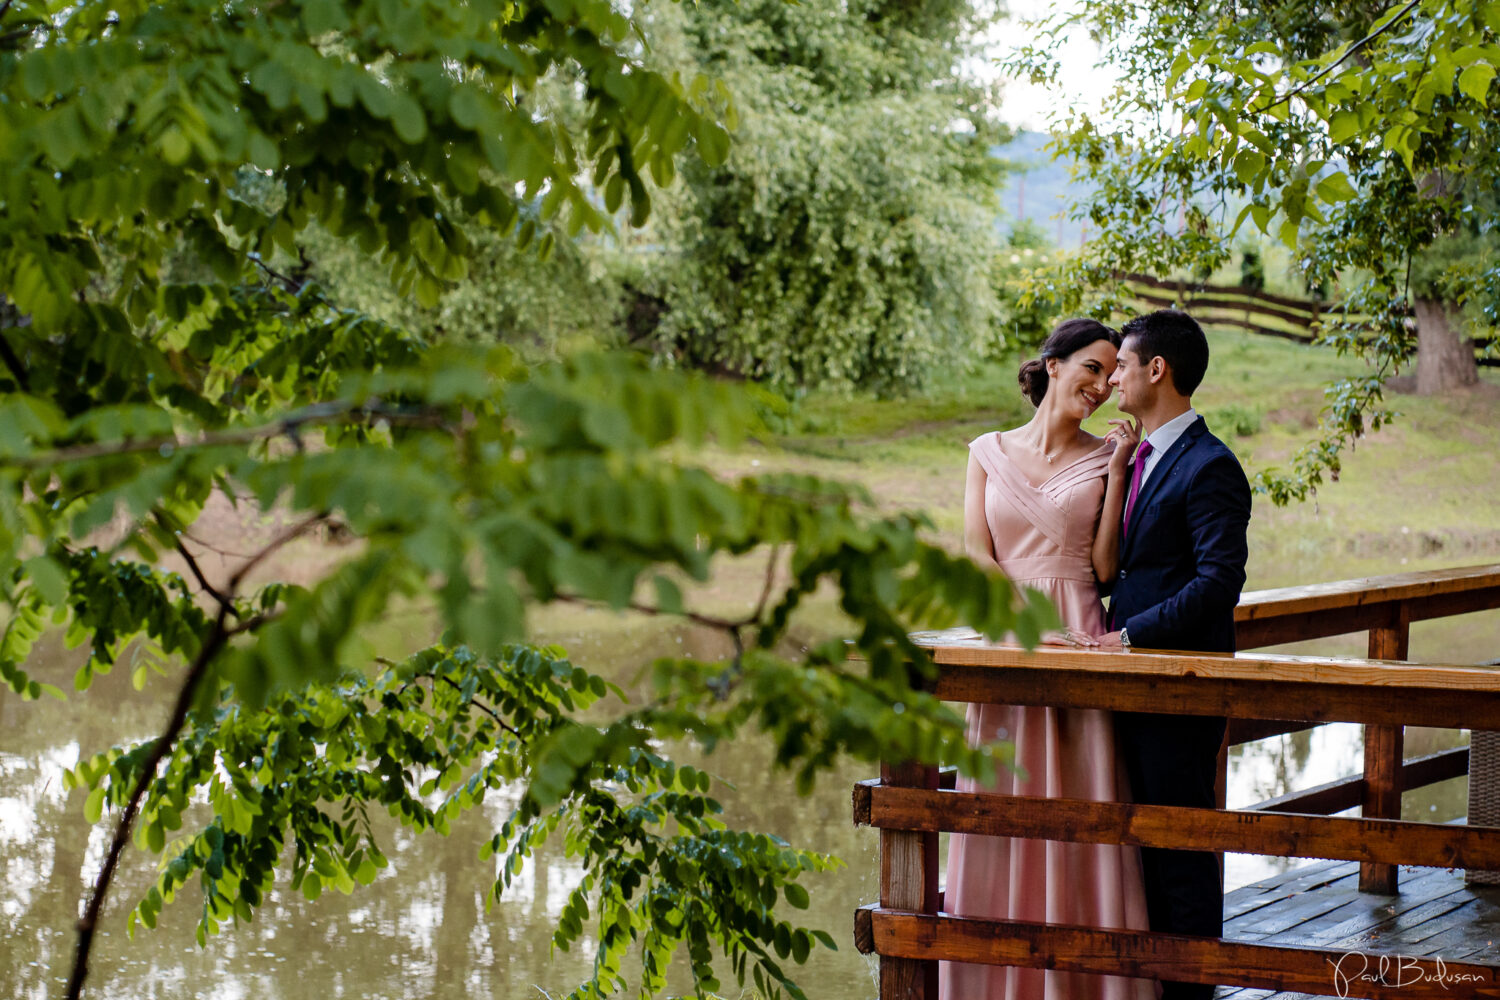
(1042,537)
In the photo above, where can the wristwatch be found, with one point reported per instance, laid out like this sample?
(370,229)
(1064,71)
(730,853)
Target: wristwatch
(1124,638)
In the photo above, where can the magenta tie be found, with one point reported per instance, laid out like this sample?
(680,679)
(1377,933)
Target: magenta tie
(1135,483)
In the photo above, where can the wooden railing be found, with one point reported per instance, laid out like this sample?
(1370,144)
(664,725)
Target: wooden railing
(1263,694)
(1251,309)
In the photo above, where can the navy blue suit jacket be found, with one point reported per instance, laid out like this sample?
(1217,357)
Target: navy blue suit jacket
(1182,561)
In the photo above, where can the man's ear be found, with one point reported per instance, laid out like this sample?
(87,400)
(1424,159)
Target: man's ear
(1156,369)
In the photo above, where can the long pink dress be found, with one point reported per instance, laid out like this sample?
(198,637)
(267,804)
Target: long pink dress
(1042,537)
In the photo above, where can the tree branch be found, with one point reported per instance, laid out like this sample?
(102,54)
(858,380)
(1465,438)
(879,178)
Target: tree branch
(296,531)
(1387,26)
(210,546)
(292,284)
(251,624)
(311,416)
(765,594)
(709,621)
(217,637)
(483,708)
(197,570)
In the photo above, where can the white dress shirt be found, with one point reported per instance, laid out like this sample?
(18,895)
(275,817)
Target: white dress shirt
(1165,437)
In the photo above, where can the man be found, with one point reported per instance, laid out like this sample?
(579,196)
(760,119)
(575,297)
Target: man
(1182,564)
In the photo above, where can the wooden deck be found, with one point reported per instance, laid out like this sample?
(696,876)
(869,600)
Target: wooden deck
(1320,905)
(1286,938)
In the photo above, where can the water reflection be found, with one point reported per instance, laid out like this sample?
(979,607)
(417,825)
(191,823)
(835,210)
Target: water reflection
(423,930)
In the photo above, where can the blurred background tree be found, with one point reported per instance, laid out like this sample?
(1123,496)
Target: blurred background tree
(848,240)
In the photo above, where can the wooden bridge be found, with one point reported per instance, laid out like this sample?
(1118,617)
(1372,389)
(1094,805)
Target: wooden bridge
(1263,695)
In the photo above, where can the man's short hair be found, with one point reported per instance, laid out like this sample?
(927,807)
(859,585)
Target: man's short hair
(1177,339)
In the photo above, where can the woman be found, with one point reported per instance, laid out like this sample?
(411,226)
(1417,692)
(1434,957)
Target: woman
(1042,505)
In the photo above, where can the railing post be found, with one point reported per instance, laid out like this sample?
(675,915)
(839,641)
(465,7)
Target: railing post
(1384,752)
(908,881)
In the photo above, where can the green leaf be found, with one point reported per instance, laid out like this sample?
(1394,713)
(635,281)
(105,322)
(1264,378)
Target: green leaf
(713,143)
(93,806)
(466,107)
(1248,165)
(1289,232)
(1336,188)
(407,118)
(796,895)
(1262,215)
(49,579)
(1475,81)
(1344,125)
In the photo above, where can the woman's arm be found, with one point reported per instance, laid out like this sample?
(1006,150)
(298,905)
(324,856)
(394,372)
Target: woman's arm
(978,544)
(1125,434)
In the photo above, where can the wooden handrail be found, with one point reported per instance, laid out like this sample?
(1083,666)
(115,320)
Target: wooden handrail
(969,650)
(1289,614)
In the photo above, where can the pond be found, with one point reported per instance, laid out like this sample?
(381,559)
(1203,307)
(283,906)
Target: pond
(423,930)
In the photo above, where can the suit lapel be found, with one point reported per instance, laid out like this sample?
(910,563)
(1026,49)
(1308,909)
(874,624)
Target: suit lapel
(1159,475)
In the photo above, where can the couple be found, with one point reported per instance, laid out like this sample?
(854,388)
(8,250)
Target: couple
(1160,529)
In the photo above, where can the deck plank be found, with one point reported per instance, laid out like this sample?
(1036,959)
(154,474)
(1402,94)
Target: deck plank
(1436,913)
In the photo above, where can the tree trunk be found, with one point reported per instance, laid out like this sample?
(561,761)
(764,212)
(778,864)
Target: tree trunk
(1445,357)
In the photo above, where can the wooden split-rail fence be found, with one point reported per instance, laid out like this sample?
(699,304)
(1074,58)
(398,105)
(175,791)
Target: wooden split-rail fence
(1250,309)
(1262,694)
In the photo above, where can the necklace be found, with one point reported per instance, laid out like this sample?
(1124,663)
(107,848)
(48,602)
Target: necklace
(1052,457)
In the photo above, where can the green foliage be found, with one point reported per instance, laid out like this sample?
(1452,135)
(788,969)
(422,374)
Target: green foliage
(847,240)
(378,120)
(1357,136)
(1028,309)
(428,739)
(570,300)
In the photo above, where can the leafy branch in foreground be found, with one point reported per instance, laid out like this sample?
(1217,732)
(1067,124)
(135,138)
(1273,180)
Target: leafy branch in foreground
(521,489)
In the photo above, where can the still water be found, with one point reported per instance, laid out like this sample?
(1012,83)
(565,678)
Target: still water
(422,929)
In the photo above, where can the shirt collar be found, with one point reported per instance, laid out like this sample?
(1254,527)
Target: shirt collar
(1167,434)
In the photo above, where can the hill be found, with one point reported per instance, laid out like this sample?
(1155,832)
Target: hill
(1038,189)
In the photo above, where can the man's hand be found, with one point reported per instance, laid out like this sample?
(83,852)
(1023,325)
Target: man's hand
(1110,640)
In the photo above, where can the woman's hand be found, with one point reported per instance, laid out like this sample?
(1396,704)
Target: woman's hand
(1125,435)
(1069,637)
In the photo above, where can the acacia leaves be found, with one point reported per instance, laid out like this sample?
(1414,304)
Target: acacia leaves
(481,489)
(376,119)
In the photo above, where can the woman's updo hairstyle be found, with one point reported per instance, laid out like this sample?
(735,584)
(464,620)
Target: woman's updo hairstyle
(1067,337)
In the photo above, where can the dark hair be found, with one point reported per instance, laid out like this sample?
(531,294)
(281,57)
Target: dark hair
(1177,339)
(1068,337)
